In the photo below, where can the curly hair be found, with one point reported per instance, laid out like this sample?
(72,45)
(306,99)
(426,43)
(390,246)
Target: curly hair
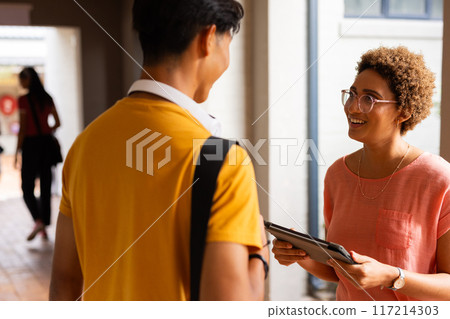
(408,78)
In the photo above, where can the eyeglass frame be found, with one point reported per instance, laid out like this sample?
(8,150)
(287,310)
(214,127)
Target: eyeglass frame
(358,98)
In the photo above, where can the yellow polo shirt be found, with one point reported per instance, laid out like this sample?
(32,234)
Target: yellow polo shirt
(132,228)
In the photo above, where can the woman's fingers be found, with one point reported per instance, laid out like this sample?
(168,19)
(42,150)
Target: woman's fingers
(281,244)
(286,248)
(289,252)
(286,254)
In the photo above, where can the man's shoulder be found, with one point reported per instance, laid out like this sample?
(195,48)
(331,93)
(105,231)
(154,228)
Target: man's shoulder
(237,166)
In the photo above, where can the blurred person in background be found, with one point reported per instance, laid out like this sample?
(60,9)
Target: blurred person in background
(34,144)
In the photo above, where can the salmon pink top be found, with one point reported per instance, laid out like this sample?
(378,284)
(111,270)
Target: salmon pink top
(400,227)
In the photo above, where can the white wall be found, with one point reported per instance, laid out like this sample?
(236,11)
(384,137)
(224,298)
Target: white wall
(63,83)
(287,118)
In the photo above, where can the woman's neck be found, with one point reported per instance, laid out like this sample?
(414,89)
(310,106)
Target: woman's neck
(385,151)
(380,160)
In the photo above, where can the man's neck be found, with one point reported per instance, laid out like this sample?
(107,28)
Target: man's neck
(180,77)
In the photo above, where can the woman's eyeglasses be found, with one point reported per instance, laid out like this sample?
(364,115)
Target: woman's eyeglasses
(365,102)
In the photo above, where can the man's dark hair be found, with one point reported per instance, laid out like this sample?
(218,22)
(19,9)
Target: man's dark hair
(167,27)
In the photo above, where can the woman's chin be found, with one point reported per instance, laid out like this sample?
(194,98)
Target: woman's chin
(354,136)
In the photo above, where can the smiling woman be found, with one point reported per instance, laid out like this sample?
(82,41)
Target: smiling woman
(389,202)
(366,122)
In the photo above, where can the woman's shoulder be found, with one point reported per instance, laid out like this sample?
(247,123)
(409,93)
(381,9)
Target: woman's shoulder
(433,165)
(337,165)
(345,163)
(434,161)
(340,168)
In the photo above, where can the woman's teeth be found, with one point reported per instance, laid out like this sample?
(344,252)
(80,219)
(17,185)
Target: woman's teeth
(357,121)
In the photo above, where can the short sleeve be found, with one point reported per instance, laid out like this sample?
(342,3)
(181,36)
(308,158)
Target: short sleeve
(444,218)
(235,208)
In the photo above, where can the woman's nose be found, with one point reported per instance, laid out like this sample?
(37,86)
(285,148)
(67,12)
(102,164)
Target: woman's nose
(353,107)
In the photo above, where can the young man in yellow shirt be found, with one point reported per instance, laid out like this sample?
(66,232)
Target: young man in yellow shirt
(124,226)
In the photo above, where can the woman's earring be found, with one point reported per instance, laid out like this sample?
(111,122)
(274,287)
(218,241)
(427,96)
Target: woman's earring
(397,123)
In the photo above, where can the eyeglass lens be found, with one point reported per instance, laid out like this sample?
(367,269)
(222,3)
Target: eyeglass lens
(365,101)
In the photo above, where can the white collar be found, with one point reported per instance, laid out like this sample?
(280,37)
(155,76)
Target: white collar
(180,99)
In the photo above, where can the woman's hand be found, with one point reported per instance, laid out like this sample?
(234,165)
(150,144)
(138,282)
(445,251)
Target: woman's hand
(286,254)
(368,273)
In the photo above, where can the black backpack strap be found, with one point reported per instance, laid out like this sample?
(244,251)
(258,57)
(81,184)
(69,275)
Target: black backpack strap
(209,163)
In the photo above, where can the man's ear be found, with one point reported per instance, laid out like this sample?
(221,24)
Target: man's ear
(208,39)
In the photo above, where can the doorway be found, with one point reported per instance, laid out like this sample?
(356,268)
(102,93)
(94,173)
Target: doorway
(56,55)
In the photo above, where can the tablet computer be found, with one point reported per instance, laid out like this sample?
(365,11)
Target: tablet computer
(318,249)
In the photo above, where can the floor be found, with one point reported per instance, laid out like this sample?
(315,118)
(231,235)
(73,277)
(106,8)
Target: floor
(24,266)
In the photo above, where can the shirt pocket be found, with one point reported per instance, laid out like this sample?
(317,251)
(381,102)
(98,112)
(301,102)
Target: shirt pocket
(393,229)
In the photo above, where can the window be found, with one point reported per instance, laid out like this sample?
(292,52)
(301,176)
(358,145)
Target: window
(395,9)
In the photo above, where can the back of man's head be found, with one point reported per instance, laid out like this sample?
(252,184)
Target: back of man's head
(167,27)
